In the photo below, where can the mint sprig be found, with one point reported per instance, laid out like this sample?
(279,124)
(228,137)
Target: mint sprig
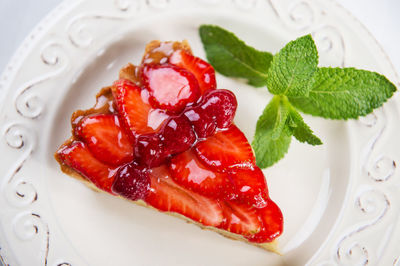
(297,83)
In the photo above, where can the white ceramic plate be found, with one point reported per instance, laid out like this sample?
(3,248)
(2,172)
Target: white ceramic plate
(340,201)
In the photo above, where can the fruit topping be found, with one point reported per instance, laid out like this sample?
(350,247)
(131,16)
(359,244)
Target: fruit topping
(132,182)
(77,156)
(226,149)
(150,150)
(133,107)
(221,104)
(168,138)
(188,171)
(171,88)
(105,138)
(240,219)
(272,224)
(177,135)
(166,195)
(202,70)
(250,186)
(203,123)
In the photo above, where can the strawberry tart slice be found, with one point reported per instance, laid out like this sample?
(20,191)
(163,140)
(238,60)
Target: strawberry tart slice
(163,136)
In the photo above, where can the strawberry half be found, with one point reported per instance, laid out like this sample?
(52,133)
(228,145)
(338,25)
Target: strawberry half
(189,172)
(166,195)
(106,139)
(250,186)
(202,70)
(240,219)
(171,88)
(77,156)
(272,220)
(226,149)
(134,108)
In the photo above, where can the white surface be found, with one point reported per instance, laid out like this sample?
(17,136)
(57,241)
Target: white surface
(381,17)
(342,188)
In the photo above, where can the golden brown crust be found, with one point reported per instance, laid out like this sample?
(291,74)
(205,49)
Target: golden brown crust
(104,104)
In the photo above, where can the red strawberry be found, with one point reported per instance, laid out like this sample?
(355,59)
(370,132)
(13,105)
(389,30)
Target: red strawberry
(189,172)
(106,139)
(133,107)
(77,156)
(250,186)
(166,195)
(272,220)
(240,219)
(202,70)
(171,88)
(226,149)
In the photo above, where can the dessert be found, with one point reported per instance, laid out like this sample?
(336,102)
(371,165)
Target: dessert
(163,137)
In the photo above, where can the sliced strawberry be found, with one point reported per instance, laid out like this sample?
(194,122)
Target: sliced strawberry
(171,88)
(272,220)
(226,149)
(250,186)
(133,107)
(189,172)
(166,195)
(77,156)
(106,139)
(202,70)
(240,219)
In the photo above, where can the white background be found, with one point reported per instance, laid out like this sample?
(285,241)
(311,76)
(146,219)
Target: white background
(381,17)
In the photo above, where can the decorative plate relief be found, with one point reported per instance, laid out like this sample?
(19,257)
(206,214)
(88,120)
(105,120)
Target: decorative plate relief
(371,201)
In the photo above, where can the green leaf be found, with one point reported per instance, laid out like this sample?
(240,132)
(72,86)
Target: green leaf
(342,93)
(301,131)
(292,69)
(269,150)
(231,57)
(282,114)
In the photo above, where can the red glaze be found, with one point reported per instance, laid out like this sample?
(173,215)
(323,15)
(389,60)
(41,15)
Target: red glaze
(141,152)
(250,186)
(106,139)
(202,70)
(177,135)
(221,105)
(226,149)
(189,172)
(134,109)
(150,150)
(240,218)
(77,156)
(132,181)
(272,224)
(166,195)
(171,88)
(203,124)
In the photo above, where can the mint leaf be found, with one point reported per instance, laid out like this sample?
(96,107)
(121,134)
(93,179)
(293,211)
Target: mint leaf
(342,93)
(232,57)
(269,150)
(292,69)
(301,131)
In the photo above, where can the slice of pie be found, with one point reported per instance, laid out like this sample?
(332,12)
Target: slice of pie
(163,137)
